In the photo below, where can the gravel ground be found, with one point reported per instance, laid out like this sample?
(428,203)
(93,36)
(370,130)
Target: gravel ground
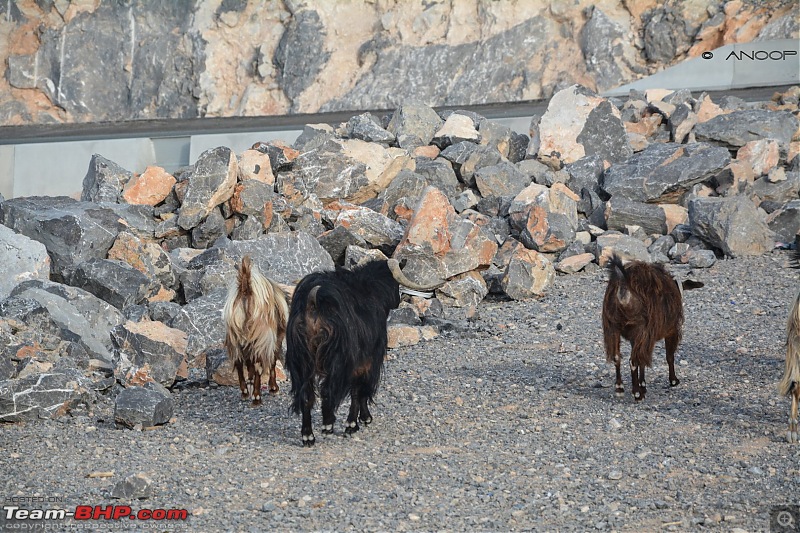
(512,425)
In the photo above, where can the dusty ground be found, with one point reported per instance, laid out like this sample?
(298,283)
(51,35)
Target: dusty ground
(510,425)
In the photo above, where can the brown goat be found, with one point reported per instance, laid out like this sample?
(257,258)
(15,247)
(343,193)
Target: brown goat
(255,316)
(643,304)
(790,384)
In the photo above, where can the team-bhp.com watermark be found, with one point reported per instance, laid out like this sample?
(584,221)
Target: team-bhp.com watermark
(94,517)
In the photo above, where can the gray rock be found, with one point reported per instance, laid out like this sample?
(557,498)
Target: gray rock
(700,258)
(163,311)
(664,35)
(138,219)
(301,54)
(211,183)
(681,122)
(781,191)
(466,200)
(785,222)
(468,157)
(201,319)
(22,259)
(740,127)
(328,172)
(585,173)
(503,179)
(144,406)
(458,127)
(664,172)
(104,180)
(621,212)
(464,290)
(405,188)
(546,219)
(518,147)
(147,351)
(312,137)
(356,255)
(627,247)
(732,225)
(113,281)
(528,274)
(212,270)
(414,124)
(377,230)
(81,316)
(368,128)
(253,198)
(285,257)
(336,241)
(439,173)
(133,487)
(209,230)
(435,74)
(600,43)
(248,229)
(71,231)
(661,246)
(43,395)
(499,137)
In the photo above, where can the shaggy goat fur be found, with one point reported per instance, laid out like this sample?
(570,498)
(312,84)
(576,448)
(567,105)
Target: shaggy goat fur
(643,304)
(790,384)
(337,340)
(255,316)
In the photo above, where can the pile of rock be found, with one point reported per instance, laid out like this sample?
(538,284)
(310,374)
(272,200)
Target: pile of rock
(123,289)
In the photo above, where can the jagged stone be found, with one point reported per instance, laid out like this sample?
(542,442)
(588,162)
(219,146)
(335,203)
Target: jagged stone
(80,316)
(115,282)
(282,156)
(527,275)
(468,157)
(439,173)
(732,225)
(143,406)
(547,218)
(368,128)
(256,165)
(71,231)
(147,257)
(663,173)
(375,229)
(22,259)
(627,247)
(736,129)
(43,395)
(253,198)
(209,230)
(211,183)
(780,191)
(148,351)
(785,221)
(133,487)
(763,155)
(501,138)
(200,320)
(336,241)
(456,128)
(464,290)
(151,187)
(584,173)
(414,124)
(351,170)
(503,179)
(621,213)
(575,263)
(439,244)
(580,123)
(356,255)
(104,180)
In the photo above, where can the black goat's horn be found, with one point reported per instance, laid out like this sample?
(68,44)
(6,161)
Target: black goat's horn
(402,279)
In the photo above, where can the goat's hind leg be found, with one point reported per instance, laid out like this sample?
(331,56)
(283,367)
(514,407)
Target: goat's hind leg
(238,365)
(273,378)
(352,417)
(328,416)
(255,370)
(671,345)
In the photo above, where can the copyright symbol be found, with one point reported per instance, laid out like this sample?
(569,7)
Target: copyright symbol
(707,55)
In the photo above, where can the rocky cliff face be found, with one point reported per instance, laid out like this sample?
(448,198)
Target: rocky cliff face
(93,60)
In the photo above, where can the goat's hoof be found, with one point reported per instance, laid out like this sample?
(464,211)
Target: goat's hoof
(308,440)
(638,396)
(351,428)
(619,390)
(327,429)
(256,402)
(792,437)
(674,382)
(367,420)
(274,391)
(245,396)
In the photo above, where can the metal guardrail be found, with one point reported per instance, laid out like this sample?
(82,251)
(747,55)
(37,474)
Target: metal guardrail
(52,159)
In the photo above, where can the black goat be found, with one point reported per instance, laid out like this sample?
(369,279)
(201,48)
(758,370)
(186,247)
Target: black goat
(643,303)
(336,334)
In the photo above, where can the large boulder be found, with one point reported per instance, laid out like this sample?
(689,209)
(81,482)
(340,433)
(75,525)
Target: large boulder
(738,128)
(547,218)
(104,180)
(44,395)
(733,225)
(212,182)
(148,351)
(22,259)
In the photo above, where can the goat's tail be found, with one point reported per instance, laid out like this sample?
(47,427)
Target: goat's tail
(617,274)
(791,375)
